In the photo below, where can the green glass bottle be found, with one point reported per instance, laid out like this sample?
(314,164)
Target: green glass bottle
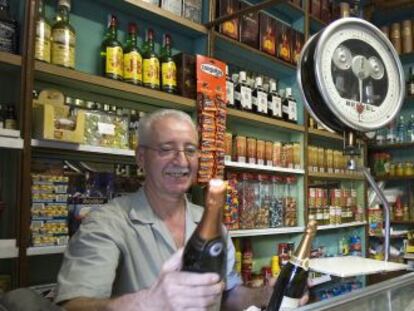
(43,35)
(151,64)
(132,57)
(63,37)
(168,67)
(111,52)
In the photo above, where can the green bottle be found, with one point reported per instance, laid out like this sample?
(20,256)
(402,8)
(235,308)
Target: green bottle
(111,52)
(132,57)
(168,67)
(151,64)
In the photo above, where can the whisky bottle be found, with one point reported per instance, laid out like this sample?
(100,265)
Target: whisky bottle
(274,102)
(206,249)
(132,57)
(8,29)
(291,283)
(151,64)
(43,35)
(10,120)
(229,89)
(63,37)
(168,67)
(243,93)
(259,97)
(289,107)
(111,52)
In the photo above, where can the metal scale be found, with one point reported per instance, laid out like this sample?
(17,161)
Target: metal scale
(352,82)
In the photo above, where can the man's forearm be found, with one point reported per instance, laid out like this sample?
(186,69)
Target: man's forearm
(129,302)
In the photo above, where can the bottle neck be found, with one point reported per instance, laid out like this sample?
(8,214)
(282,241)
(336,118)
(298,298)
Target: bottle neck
(132,38)
(63,14)
(302,253)
(113,31)
(210,224)
(41,9)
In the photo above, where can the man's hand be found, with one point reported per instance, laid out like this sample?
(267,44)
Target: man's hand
(179,290)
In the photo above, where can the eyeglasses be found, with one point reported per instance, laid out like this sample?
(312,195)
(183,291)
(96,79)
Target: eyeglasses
(168,152)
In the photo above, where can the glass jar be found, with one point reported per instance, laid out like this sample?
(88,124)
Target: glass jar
(276,205)
(241,148)
(251,150)
(291,201)
(265,193)
(408,168)
(399,171)
(249,193)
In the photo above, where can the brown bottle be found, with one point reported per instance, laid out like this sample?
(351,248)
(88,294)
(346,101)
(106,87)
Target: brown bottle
(206,249)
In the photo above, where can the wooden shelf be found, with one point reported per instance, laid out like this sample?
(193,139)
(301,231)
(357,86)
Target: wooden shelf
(402,222)
(10,139)
(255,118)
(344,225)
(239,53)
(266,231)
(325,134)
(336,176)
(45,250)
(391,178)
(10,59)
(83,148)
(150,12)
(8,249)
(104,86)
(391,146)
(247,166)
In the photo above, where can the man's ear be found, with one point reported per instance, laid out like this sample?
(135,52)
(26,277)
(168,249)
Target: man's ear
(139,156)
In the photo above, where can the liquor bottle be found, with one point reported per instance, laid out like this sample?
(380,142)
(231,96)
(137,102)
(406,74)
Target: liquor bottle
(10,120)
(243,93)
(132,57)
(401,130)
(8,29)
(43,35)
(63,37)
(151,64)
(289,107)
(111,52)
(259,97)
(291,283)
(168,67)
(206,249)
(229,89)
(410,82)
(133,127)
(274,102)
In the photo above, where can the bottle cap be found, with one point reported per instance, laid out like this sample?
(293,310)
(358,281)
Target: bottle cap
(242,76)
(132,28)
(259,81)
(65,3)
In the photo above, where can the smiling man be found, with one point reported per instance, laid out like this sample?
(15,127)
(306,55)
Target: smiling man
(126,256)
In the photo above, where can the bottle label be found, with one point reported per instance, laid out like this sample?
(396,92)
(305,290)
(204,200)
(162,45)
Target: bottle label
(7,36)
(42,43)
(106,129)
(230,93)
(63,48)
(246,97)
(262,102)
(169,74)
(275,105)
(133,66)
(293,116)
(151,71)
(114,60)
(289,303)
(10,124)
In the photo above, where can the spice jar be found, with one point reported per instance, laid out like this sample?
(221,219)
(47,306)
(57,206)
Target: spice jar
(260,152)
(321,160)
(277,154)
(395,37)
(268,153)
(228,146)
(241,148)
(399,171)
(251,150)
(296,156)
(408,169)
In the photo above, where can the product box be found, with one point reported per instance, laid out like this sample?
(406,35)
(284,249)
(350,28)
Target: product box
(298,40)
(249,27)
(192,10)
(212,113)
(267,34)
(174,6)
(229,28)
(315,8)
(283,41)
(186,77)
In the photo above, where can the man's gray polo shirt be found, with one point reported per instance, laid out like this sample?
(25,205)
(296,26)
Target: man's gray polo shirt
(121,247)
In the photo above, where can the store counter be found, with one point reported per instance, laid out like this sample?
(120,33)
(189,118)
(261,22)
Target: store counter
(396,294)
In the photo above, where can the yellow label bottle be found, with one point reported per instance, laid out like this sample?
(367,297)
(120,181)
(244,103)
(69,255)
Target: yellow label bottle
(151,72)
(169,74)
(133,67)
(114,61)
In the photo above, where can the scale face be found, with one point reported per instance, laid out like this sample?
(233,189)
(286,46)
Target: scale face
(355,77)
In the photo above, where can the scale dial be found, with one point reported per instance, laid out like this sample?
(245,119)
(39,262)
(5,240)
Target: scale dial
(358,78)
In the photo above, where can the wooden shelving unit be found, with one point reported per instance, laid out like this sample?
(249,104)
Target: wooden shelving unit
(266,231)
(104,86)
(336,176)
(391,146)
(394,178)
(325,134)
(266,168)
(8,59)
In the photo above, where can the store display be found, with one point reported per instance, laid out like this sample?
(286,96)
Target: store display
(249,27)
(168,67)
(151,64)
(192,10)
(292,281)
(63,37)
(132,62)
(174,6)
(229,28)
(205,251)
(43,35)
(267,34)
(186,76)
(8,29)
(111,52)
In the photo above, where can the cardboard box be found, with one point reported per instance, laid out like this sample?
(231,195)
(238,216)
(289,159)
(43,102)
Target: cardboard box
(249,27)
(298,40)
(229,28)
(283,40)
(174,6)
(267,34)
(186,77)
(192,10)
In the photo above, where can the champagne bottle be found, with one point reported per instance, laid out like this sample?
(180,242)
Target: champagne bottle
(206,249)
(291,283)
